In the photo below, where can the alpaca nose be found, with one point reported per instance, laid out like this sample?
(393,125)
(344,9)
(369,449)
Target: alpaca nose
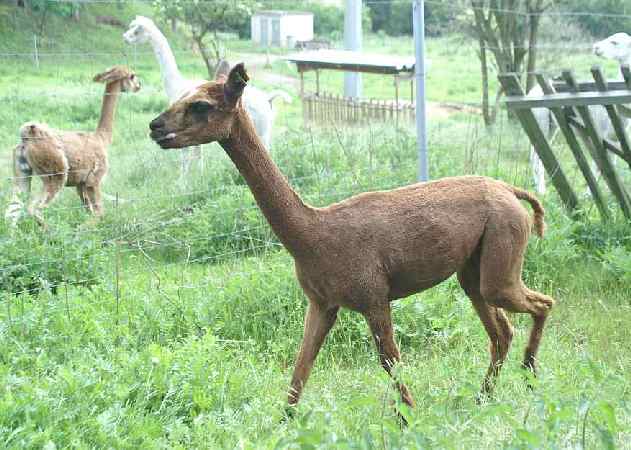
(156,123)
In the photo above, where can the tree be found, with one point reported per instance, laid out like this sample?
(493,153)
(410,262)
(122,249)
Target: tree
(203,21)
(508,29)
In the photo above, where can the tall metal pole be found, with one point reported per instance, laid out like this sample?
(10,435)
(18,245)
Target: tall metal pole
(418,19)
(353,41)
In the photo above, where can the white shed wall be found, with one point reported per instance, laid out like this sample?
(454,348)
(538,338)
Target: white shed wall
(298,27)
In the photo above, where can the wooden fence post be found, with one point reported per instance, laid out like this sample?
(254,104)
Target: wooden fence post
(540,143)
(594,142)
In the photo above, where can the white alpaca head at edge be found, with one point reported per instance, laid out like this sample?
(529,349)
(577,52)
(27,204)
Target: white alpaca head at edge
(616,47)
(139,30)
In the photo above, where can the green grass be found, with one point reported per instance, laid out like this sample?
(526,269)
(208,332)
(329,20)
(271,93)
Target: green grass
(174,322)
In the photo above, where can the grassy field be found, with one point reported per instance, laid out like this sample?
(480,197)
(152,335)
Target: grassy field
(174,322)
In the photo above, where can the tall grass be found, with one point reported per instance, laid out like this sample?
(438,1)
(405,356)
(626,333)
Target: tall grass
(185,334)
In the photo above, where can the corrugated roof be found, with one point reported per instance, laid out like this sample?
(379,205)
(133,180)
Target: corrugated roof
(352,61)
(278,12)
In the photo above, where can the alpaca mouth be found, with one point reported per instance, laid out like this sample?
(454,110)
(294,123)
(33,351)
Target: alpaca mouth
(165,138)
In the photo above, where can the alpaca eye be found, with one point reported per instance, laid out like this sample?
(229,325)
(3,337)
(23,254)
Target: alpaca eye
(614,42)
(202,107)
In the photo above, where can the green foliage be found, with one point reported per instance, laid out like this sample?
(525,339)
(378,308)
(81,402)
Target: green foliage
(395,17)
(32,261)
(64,9)
(601,18)
(203,17)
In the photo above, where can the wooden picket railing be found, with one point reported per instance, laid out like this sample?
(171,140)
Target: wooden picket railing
(326,108)
(569,102)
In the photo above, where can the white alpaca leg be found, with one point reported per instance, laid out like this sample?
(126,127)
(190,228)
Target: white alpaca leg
(186,162)
(538,172)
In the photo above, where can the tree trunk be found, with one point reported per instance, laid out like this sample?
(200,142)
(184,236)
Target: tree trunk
(76,15)
(534,19)
(206,56)
(174,24)
(486,113)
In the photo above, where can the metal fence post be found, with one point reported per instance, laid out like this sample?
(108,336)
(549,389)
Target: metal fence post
(418,19)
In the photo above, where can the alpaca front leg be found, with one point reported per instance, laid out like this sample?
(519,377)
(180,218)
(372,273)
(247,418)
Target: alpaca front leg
(380,323)
(185,169)
(318,323)
(94,199)
(199,156)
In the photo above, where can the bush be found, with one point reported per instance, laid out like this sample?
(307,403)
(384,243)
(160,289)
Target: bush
(596,23)
(395,18)
(32,262)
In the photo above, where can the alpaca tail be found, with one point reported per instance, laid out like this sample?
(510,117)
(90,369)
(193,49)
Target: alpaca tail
(284,95)
(22,174)
(539,212)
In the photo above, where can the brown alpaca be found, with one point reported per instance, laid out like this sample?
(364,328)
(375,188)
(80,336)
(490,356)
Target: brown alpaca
(371,249)
(69,158)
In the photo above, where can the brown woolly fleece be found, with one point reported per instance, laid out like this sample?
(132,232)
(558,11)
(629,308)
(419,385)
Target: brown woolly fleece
(71,158)
(376,247)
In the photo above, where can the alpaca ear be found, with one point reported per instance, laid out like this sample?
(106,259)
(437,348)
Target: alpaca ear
(111,74)
(237,81)
(222,72)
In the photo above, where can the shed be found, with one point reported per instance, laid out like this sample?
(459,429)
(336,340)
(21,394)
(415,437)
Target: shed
(276,28)
(325,107)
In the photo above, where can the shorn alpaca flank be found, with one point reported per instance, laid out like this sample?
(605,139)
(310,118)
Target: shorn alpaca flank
(68,158)
(373,248)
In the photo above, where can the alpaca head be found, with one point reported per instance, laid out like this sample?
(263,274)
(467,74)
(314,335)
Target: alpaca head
(119,74)
(616,46)
(205,115)
(36,131)
(139,30)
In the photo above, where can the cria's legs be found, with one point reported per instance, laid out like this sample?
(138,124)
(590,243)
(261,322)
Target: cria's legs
(83,196)
(495,322)
(501,286)
(94,198)
(189,155)
(318,323)
(380,323)
(51,185)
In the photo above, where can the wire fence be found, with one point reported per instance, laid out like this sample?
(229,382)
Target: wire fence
(154,223)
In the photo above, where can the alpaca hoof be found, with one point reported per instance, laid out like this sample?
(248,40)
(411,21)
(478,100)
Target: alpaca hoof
(289,413)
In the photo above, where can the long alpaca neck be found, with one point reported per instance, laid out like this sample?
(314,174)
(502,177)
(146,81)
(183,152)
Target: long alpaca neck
(108,109)
(171,76)
(290,218)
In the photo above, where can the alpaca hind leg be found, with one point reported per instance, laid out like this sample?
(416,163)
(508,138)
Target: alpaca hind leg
(494,320)
(380,323)
(500,280)
(318,323)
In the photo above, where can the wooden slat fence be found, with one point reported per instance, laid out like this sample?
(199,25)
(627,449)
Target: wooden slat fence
(327,108)
(569,103)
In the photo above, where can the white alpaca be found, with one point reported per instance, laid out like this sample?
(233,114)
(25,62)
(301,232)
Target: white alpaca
(616,47)
(257,102)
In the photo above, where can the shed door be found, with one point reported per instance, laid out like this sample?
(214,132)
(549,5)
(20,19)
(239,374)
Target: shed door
(276,32)
(264,31)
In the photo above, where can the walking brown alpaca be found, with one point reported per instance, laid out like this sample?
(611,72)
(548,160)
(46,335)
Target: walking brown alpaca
(371,249)
(69,158)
